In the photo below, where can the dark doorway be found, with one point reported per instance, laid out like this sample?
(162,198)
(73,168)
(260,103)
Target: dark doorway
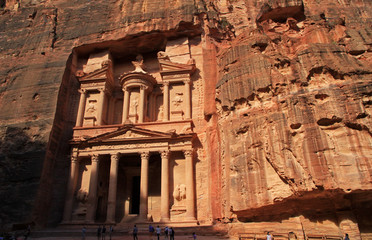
(135,195)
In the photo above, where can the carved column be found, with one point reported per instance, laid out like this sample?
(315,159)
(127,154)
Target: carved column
(125,105)
(71,188)
(164,208)
(92,195)
(111,203)
(188,99)
(142,104)
(190,192)
(80,115)
(166,101)
(101,105)
(144,184)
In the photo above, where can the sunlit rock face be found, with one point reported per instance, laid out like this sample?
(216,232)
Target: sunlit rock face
(280,104)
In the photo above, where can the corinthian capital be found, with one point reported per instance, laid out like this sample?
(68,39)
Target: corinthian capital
(165,154)
(95,157)
(115,156)
(145,155)
(188,153)
(74,159)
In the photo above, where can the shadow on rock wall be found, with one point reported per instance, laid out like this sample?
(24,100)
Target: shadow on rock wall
(21,160)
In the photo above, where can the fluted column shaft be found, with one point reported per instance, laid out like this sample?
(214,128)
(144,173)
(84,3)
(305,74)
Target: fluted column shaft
(166,101)
(142,104)
(190,188)
(125,105)
(144,185)
(164,208)
(71,188)
(101,105)
(111,203)
(80,115)
(188,99)
(92,195)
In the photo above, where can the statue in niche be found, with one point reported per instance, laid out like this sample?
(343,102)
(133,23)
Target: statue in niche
(134,106)
(177,100)
(179,194)
(138,64)
(91,107)
(82,197)
(160,113)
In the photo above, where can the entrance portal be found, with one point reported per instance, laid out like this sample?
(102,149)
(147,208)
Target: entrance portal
(135,203)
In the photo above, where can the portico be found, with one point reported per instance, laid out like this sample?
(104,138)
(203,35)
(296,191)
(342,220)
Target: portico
(132,152)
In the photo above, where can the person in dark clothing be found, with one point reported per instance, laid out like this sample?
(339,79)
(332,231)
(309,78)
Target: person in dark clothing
(171,233)
(103,232)
(151,231)
(111,229)
(346,237)
(135,232)
(166,232)
(99,229)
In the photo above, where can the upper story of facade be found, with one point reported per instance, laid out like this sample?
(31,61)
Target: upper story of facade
(153,91)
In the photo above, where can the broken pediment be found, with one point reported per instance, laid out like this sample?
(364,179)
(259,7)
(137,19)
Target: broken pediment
(102,75)
(168,67)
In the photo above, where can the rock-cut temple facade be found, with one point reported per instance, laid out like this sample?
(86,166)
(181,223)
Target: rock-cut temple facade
(133,146)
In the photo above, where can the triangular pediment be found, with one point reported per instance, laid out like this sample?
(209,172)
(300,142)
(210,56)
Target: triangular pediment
(130,133)
(169,67)
(103,74)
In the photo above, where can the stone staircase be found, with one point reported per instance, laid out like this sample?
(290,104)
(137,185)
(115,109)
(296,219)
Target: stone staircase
(70,231)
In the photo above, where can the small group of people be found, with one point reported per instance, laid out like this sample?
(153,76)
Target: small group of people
(101,232)
(168,232)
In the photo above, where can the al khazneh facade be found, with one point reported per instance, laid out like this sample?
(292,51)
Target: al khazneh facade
(133,146)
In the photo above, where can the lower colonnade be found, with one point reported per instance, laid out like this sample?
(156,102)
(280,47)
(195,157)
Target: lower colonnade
(90,197)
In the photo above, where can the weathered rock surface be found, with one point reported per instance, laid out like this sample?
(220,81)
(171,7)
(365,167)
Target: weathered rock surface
(284,119)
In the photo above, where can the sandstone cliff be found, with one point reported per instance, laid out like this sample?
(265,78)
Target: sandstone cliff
(285,123)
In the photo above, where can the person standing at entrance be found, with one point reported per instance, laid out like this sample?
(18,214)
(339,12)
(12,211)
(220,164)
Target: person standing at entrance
(103,232)
(135,232)
(171,233)
(111,229)
(151,231)
(268,236)
(158,231)
(166,232)
(99,229)
(83,231)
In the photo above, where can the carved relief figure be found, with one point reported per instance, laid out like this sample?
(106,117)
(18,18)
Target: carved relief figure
(160,113)
(81,197)
(177,100)
(134,106)
(179,194)
(91,109)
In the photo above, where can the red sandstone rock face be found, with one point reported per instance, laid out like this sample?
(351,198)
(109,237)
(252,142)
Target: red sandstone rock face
(287,88)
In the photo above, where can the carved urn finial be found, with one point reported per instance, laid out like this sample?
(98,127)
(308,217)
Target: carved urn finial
(138,64)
